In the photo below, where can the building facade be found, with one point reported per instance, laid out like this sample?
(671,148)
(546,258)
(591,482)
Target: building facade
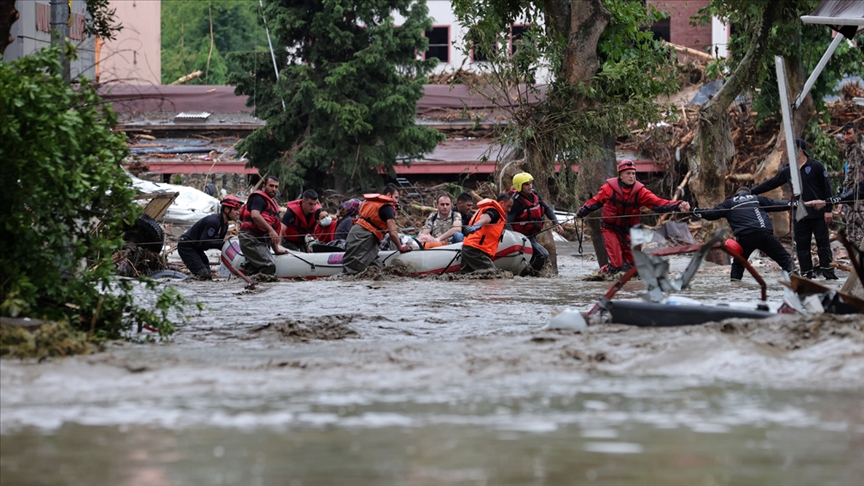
(32,32)
(447,37)
(133,57)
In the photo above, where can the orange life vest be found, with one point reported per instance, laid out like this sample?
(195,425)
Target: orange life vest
(486,238)
(367,216)
(302,225)
(270,215)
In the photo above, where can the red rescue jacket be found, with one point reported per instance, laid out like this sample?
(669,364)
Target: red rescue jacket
(532,214)
(621,204)
(302,225)
(270,215)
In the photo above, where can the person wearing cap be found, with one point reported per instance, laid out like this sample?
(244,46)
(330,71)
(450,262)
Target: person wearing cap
(376,218)
(621,199)
(748,219)
(815,185)
(854,210)
(526,216)
(484,233)
(209,233)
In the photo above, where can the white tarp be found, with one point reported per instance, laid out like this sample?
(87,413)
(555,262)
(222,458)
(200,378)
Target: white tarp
(190,205)
(844,16)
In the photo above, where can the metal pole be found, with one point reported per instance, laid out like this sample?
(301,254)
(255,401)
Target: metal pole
(60,14)
(272,54)
(816,72)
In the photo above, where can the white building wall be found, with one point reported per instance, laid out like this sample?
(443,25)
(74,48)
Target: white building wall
(719,38)
(442,15)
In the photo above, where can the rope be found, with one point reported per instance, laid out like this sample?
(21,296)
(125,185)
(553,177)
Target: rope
(573,218)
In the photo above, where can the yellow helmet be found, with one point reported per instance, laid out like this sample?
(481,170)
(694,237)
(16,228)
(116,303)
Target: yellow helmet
(521,178)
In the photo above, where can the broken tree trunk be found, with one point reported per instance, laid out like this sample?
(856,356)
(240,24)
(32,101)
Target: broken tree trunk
(188,77)
(713,149)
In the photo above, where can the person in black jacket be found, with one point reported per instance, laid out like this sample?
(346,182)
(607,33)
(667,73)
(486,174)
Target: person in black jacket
(749,221)
(815,184)
(207,234)
(849,196)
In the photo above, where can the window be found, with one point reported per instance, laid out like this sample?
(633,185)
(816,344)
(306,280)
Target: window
(516,33)
(439,43)
(661,30)
(482,53)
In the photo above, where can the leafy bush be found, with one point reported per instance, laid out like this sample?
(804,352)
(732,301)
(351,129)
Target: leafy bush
(67,202)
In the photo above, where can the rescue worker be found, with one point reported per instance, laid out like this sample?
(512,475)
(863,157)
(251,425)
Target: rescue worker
(815,184)
(260,229)
(208,233)
(621,199)
(854,210)
(376,218)
(526,216)
(846,197)
(300,220)
(484,233)
(751,226)
(465,208)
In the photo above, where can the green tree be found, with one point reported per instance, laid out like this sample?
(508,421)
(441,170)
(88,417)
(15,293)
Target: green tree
(765,30)
(186,32)
(67,202)
(350,84)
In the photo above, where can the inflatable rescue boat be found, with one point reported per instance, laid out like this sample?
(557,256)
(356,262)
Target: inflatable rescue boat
(513,255)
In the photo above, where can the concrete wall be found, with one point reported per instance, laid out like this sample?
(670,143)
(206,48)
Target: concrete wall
(135,57)
(32,32)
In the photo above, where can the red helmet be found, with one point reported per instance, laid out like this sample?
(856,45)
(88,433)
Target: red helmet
(232,202)
(626,164)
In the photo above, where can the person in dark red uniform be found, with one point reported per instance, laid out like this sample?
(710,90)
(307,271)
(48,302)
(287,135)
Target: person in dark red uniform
(624,196)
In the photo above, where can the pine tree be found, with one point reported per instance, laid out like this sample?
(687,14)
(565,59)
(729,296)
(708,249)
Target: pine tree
(350,81)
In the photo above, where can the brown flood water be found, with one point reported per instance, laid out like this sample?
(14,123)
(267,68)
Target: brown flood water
(416,382)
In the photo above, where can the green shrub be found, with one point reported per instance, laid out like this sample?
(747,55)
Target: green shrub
(67,202)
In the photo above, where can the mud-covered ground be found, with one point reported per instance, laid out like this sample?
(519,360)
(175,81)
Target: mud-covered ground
(394,352)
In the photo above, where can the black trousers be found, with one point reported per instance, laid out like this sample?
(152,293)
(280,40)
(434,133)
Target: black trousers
(804,230)
(194,259)
(765,242)
(540,255)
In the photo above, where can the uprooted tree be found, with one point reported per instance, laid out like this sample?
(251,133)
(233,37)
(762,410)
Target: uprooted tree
(606,71)
(342,111)
(67,202)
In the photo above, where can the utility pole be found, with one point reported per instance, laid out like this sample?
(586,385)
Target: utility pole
(61,11)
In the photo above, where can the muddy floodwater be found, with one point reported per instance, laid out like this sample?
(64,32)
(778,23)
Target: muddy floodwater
(422,382)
